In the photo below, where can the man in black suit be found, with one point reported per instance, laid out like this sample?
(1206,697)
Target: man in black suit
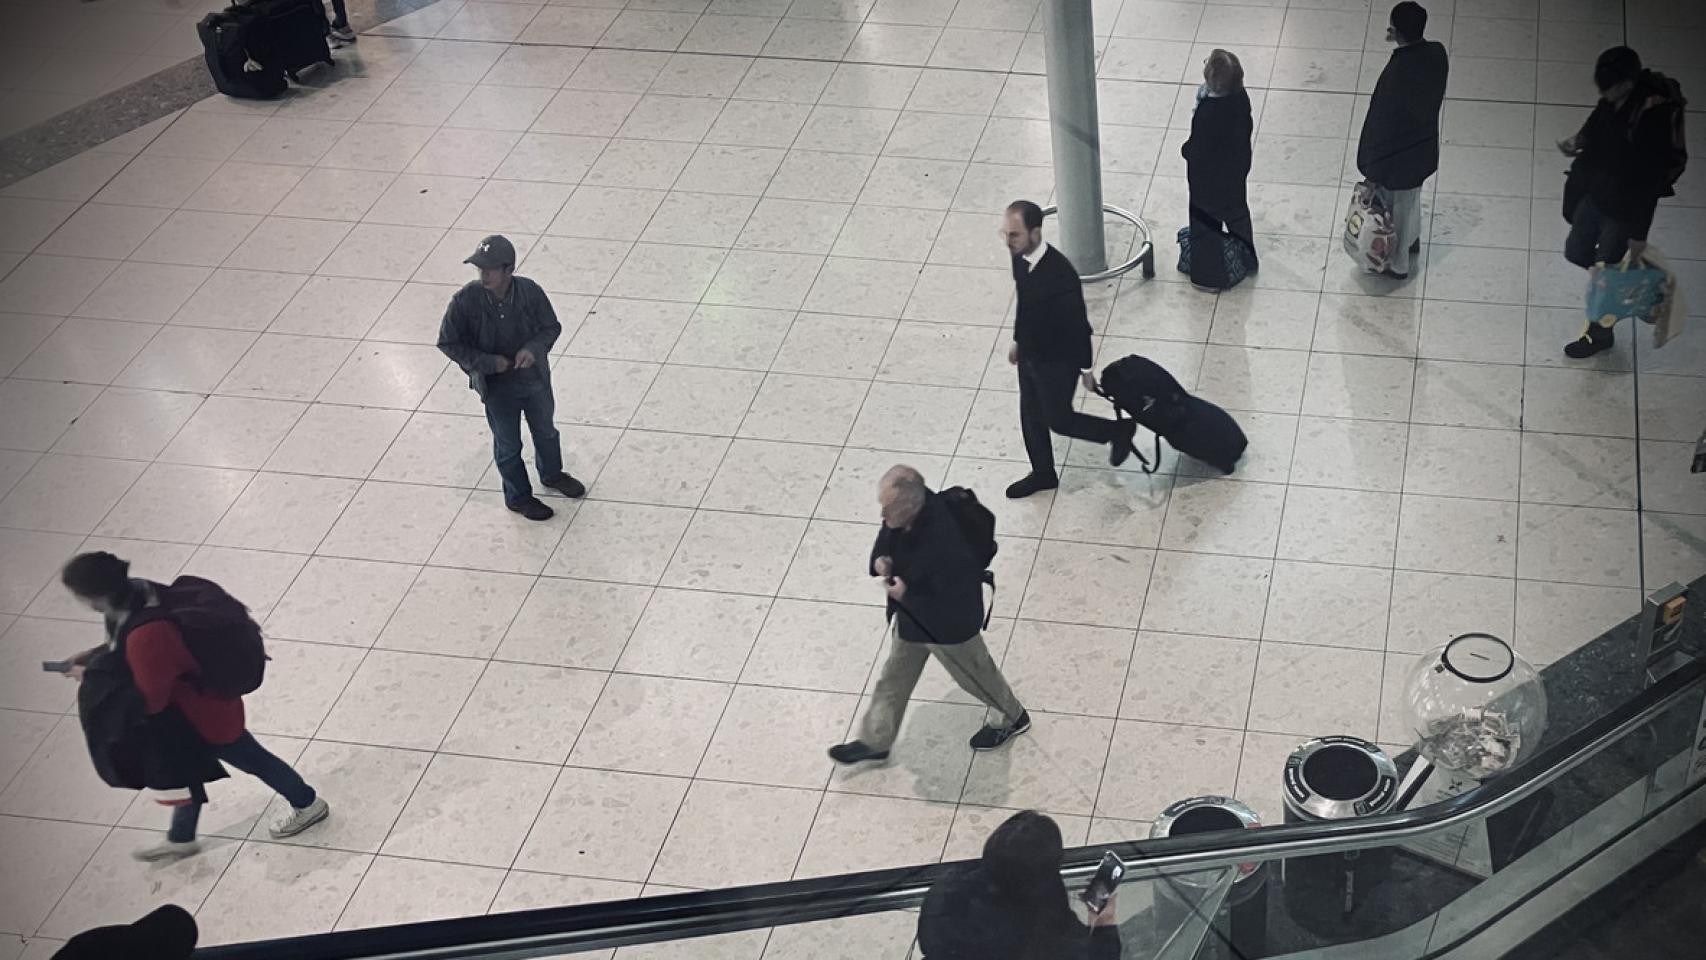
(1051,348)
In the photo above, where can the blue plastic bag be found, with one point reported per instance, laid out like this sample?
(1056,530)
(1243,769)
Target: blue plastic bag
(1632,289)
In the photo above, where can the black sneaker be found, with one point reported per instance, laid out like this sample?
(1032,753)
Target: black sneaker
(532,508)
(1416,247)
(1593,340)
(566,485)
(1020,489)
(856,751)
(991,737)
(1394,275)
(1120,447)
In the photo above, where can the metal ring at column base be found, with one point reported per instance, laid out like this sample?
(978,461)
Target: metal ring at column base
(1145,250)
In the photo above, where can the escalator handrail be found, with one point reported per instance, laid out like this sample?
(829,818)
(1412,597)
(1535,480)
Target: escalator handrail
(549,931)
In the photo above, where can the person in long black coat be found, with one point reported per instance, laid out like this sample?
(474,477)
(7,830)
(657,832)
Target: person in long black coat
(1217,166)
(1398,148)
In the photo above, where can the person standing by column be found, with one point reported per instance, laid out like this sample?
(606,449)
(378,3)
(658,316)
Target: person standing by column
(499,329)
(1217,168)
(1399,145)
(1051,347)
(142,630)
(935,609)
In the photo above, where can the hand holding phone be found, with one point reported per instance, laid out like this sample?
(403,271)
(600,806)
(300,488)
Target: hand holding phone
(1101,888)
(56,666)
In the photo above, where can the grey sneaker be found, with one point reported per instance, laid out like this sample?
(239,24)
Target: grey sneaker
(298,820)
(341,35)
(167,851)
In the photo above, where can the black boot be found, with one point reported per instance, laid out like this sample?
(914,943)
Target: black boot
(1593,340)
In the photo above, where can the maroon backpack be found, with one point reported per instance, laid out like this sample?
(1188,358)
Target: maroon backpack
(217,630)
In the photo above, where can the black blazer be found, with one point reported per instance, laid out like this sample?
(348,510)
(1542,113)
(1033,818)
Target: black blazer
(1217,156)
(1051,324)
(1399,147)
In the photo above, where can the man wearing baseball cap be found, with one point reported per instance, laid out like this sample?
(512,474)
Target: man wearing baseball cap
(499,329)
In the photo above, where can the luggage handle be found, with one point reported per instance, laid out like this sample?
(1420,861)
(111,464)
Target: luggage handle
(1119,414)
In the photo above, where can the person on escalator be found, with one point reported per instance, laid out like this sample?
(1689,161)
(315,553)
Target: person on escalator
(1012,904)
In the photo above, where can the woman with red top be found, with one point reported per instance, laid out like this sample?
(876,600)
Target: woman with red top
(165,674)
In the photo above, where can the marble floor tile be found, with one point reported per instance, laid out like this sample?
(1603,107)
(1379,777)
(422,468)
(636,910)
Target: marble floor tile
(455,816)
(728,834)
(601,823)
(456,612)
(694,634)
(1152,764)
(1185,587)
(320,881)
(1304,690)
(604,614)
(650,725)
(1084,583)
(402,700)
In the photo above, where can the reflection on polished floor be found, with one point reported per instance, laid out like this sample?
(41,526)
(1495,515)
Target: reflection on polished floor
(769,228)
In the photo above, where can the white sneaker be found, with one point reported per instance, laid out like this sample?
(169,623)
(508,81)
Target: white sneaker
(298,820)
(167,851)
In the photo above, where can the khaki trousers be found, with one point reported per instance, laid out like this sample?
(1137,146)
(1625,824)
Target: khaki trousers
(968,663)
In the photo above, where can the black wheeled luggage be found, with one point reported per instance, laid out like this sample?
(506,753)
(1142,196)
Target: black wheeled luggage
(293,33)
(229,40)
(1143,389)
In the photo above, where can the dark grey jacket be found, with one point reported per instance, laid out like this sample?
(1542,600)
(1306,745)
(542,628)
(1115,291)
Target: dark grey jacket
(478,329)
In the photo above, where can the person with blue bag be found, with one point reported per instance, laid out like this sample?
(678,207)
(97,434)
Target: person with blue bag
(1626,157)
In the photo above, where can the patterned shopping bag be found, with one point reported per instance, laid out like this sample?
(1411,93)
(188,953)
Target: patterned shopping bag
(1369,228)
(1631,289)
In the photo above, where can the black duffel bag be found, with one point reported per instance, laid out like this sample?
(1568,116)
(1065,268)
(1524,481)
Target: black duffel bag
(1145,391)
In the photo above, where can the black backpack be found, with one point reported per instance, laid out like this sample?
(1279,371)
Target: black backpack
(1144,390)
(218,632)
(976,524)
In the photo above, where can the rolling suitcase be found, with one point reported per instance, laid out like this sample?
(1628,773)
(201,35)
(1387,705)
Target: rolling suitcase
(228,39)
(293,34)
(1143,389)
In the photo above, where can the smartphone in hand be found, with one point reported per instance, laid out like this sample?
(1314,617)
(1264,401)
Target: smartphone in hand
(1108,875)
(57,666)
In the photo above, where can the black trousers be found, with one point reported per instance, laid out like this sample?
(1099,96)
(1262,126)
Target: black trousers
(1046,389)
(1209,232)
(1595,237)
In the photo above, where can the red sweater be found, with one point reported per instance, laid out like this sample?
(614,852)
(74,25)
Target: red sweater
(163,669)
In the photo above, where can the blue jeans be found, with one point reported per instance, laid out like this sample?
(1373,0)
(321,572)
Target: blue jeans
(504,410)
(340,16)
(246,754)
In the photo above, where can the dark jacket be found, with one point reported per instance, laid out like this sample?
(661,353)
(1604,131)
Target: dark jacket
(1217,156)
(478,328)
(944,583)
(1626,150)
(1399,147)
(965,917)
(130,747)
(1051,324)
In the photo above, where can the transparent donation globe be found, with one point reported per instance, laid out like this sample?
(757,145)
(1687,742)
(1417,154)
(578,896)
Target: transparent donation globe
(1475,706)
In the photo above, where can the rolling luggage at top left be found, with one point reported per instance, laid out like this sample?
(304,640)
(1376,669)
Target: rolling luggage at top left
(251,48)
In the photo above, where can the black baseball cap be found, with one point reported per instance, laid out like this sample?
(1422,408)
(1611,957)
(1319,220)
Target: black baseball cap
(494,251)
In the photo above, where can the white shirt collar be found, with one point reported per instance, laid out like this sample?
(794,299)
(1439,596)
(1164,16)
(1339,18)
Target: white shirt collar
(1035,256)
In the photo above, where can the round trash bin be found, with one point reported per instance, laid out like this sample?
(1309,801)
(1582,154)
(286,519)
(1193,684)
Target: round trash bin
(1335,778)
(1243,916)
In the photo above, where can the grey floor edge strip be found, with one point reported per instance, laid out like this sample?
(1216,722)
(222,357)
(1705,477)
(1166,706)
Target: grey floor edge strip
(114,114)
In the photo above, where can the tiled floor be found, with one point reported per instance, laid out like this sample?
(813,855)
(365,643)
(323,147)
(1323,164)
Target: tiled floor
(61,53)
(768,227)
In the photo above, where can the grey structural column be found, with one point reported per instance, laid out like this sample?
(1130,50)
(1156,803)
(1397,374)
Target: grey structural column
(1070,47)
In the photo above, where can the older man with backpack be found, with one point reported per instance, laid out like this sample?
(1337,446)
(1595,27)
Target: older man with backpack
(162,700)
(1626,157)
(933,554)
